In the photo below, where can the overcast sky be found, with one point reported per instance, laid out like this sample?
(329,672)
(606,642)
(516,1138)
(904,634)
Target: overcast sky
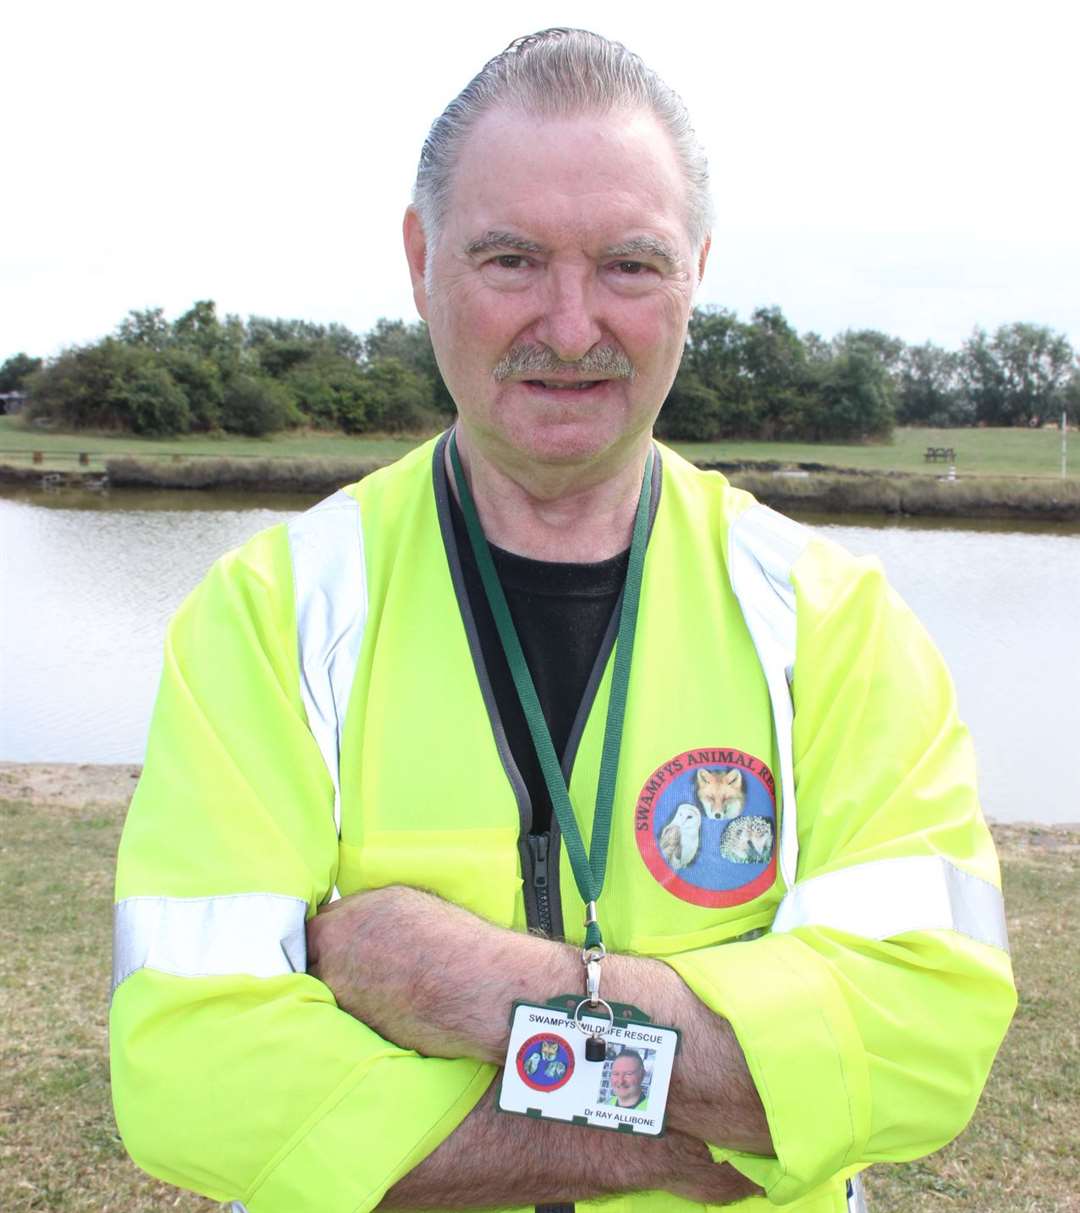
(910,167)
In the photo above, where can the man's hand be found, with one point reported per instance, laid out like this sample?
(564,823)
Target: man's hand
(429,975)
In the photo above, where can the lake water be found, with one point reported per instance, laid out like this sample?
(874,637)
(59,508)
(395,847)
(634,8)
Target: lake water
(88,583)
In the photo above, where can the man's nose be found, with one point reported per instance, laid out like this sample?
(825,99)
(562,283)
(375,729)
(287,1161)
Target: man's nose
(570,326)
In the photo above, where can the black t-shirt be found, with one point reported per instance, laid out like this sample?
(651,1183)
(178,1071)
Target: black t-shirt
(562,613)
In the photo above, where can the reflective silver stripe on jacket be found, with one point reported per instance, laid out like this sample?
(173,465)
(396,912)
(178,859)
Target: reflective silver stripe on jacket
(253,934)
(856,1197)
(889,897)
(330,588)
(875,900)
(762,548)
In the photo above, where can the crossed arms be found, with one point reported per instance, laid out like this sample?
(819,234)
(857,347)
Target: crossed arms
(432,977)
(865,1048)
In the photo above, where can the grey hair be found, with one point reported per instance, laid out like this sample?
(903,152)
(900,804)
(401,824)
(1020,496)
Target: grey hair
(557,73)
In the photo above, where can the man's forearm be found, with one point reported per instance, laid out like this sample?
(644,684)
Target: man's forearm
(498,1159)
(712,1096)
(376,953)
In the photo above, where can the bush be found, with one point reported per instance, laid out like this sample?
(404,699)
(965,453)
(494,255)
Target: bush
(691,412)
(256,406)
(110,385)
(391,397)
(854,399)
(155,403)
(16,371)
(202,384)
(331,392)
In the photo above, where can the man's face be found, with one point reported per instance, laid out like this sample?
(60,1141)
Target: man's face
(626,1076)
(561,284)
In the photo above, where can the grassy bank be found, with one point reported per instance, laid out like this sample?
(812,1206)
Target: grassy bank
(980,452)
(58,1145)
(821,492)
(1005,475)
(318,475)
(919,496)
(62,448)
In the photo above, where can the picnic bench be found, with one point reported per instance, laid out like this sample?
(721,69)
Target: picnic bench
(935,453)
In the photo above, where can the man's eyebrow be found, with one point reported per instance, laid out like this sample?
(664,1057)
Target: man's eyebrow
(644,246)
(495,241)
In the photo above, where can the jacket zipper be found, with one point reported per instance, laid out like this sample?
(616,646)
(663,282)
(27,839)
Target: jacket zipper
(540,854)
(539,848)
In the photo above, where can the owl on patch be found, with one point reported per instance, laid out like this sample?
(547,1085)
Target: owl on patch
(680,839)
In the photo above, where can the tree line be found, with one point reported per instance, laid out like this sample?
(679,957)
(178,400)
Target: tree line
(755,378)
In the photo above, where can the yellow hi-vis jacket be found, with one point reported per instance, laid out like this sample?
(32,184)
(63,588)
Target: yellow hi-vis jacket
(324,721)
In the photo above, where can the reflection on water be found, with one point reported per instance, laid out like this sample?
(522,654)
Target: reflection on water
(89,582)
(86,595)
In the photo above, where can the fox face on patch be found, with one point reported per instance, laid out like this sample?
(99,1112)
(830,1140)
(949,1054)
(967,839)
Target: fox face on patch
(722,793)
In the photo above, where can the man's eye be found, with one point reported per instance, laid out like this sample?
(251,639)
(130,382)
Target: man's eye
(633,269)
(510,261)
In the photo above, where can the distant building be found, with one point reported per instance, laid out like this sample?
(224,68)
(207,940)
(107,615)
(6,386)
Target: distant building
(13,402)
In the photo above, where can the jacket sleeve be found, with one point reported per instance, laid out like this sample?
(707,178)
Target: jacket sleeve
(870,1015)
(233,1072)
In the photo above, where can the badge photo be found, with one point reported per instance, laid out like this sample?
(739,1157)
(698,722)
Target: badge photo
(705,824)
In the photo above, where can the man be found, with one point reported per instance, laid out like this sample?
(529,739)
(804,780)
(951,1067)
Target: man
(340,712)
(627,1078)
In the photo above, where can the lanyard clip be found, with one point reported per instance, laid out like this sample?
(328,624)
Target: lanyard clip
(592,982)
(591,958)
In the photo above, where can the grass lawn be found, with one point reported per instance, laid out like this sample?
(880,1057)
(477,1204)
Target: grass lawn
(996,452)
(18,441)
(981,452)
(59,1148)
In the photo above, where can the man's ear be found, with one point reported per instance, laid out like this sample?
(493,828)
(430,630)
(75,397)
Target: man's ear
(703,257)
(416,253)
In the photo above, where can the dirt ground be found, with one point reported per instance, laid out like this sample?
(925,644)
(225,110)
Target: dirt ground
(71,784)
(76,784)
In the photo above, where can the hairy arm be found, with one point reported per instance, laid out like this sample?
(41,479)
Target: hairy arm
(492,1159)
(430,976)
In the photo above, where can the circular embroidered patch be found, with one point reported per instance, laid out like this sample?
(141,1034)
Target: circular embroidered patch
(705,824)
(545,1062)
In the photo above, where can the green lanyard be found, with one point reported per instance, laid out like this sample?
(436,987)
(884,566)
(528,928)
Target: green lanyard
(588,869)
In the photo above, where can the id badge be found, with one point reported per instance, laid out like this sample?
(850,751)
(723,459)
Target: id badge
(548,1075)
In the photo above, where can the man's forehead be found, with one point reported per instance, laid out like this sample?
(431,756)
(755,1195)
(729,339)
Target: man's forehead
(515,167)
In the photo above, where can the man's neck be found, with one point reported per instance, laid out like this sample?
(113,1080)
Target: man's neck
(566,515)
